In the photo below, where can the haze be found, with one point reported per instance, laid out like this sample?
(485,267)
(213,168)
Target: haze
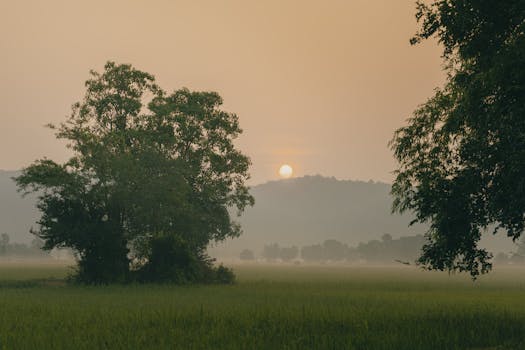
(320,85)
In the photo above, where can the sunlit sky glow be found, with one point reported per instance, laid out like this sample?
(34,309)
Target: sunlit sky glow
(320,85)
(286,171)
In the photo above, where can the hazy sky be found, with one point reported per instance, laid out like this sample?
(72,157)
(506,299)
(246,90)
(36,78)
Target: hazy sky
(320,85)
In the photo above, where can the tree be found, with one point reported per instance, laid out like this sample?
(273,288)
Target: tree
(313,253)
(272,252)
(331,249)
(148,167)
(372,251)
(4,242)
(386,238)
(288,253)
(334,250)
(462,155)
(388,250)
(247,255)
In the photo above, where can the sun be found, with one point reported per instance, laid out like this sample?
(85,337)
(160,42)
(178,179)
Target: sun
(285,171)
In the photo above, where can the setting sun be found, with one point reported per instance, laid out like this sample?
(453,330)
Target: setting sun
(285,171)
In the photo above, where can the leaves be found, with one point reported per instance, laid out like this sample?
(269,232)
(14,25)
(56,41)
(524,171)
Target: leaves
(146,164)
(462,155)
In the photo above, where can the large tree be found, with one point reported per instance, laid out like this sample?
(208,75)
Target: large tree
(462,154)
(150,184)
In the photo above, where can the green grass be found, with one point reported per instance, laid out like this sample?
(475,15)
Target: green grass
(294,307)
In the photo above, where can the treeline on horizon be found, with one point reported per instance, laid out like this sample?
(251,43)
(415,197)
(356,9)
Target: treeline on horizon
(404,250)
(388,249)
(22,250)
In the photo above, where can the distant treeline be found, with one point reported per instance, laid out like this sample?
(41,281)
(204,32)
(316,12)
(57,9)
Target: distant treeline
(513,258)
(404,249)
(9,249)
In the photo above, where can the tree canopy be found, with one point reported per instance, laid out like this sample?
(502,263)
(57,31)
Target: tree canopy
(151,180)
(462,155)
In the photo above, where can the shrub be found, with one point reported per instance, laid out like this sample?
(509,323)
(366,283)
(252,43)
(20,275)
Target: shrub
(172,260)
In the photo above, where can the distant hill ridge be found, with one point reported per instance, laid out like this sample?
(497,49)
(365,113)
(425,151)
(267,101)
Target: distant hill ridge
(310,209)
(299,211)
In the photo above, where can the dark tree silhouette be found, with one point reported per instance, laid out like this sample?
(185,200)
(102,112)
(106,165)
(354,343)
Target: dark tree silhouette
(462,155)
(150,183)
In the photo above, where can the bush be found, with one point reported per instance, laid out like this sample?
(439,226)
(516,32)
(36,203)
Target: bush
(172,260)
(224,275)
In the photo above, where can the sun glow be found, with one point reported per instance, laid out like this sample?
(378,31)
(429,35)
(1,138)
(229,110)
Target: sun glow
(285,171)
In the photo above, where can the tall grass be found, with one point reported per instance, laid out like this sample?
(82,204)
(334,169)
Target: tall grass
(269,308)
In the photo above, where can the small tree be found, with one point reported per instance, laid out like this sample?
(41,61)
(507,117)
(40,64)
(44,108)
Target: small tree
(313,253)
(247,254)
(4,242)
(288,253)
(272,252)
(334,250)
(386,238)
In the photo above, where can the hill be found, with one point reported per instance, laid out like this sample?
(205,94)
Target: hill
(310,209)
(298,211)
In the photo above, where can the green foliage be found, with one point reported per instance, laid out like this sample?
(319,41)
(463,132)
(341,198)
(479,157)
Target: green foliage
(462,155)
(172,260)
(146,164)
(388,250)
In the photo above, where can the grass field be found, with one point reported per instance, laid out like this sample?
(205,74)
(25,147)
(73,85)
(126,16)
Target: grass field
(271,307)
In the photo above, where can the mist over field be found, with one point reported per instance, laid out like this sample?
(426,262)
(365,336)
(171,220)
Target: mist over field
(297,212)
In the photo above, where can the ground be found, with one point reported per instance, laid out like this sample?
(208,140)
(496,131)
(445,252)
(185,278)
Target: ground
(270,307)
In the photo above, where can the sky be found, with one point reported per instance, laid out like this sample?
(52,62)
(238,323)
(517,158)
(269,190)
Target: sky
(319,85)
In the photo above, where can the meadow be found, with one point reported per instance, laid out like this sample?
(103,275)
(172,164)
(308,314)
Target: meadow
(270,307)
